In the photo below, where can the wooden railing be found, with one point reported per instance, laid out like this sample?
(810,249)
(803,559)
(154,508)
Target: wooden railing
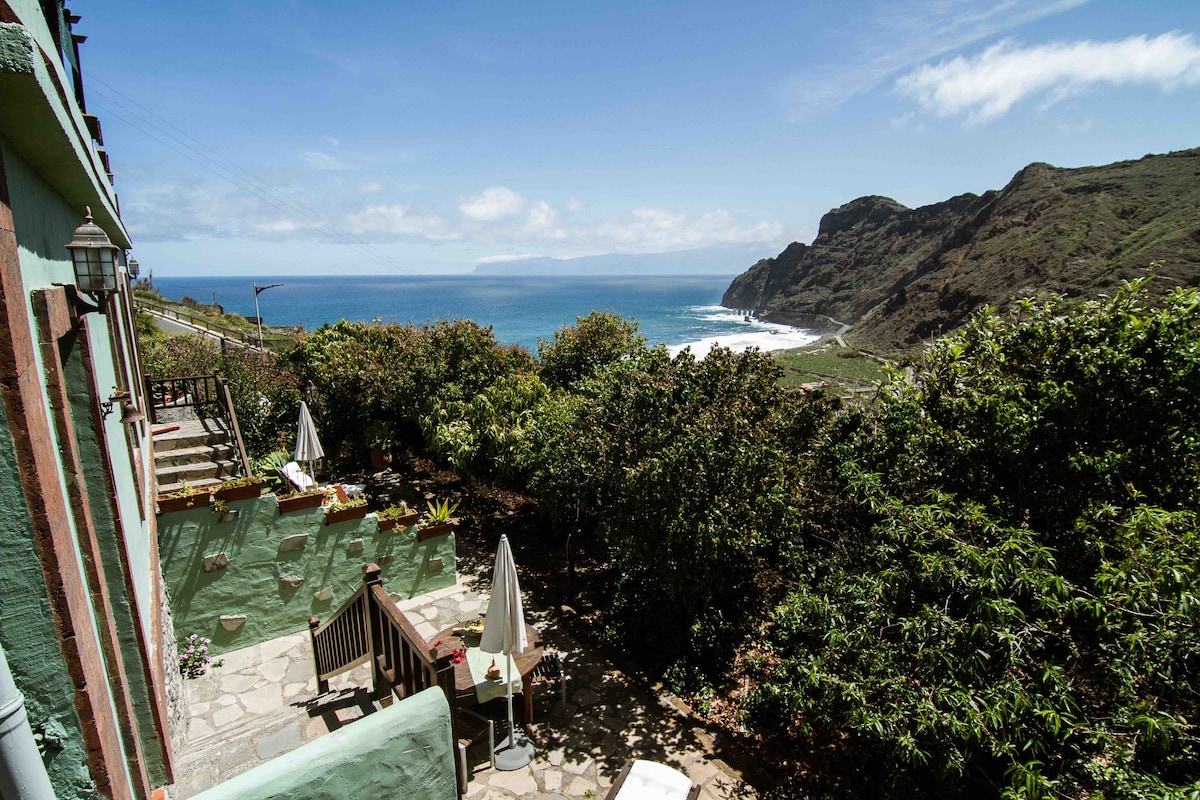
(369,627)
(209,393)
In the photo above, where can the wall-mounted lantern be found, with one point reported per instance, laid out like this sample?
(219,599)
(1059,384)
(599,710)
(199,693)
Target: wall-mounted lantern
(94,257)
(133,269)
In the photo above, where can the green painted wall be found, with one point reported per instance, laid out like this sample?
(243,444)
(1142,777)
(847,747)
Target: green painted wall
(30,640)
(123,612)
(251,583)
(400,752)
(44,223)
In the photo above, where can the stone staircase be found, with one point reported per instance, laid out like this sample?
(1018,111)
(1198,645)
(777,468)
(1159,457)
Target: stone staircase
(199,452)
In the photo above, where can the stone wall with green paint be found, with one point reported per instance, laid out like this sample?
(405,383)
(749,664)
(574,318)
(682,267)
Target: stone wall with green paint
(403,751)
(279,570)
(30,639)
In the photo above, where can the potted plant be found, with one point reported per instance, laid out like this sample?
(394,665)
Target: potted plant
(221,507)
(245,488)
(300,501)
(354,508)
(183,498)
(397,517)
(380,439)
(438,520)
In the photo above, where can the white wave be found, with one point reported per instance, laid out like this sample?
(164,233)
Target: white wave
(778,337)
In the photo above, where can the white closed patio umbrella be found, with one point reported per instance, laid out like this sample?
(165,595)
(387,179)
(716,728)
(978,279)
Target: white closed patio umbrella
(504,633)
(308,446)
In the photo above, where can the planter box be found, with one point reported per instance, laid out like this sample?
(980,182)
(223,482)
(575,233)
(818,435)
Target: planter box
(247,492)
(407,520)
(166,505)
(345,514)
(441,529)
(300,502)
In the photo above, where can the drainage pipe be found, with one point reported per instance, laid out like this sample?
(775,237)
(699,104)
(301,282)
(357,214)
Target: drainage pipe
(22,773)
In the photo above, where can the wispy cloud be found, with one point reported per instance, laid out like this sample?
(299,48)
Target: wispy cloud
(393,221)
(324,161)
(521,226)
(989,85)
(895,36)
(492,204)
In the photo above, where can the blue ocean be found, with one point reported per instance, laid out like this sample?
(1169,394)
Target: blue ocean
(678,311)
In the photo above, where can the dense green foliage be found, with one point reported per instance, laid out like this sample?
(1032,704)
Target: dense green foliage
(998,594)
(360,375)
(592,343)
(982,584)
(689,466)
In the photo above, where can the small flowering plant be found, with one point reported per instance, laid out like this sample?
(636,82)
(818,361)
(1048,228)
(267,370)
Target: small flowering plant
(456,656)
(195,660)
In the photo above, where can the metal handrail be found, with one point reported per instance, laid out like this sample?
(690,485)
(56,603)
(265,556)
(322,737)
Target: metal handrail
(195,321)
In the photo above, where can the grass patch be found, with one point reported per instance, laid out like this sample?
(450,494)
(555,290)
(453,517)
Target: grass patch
(829,363)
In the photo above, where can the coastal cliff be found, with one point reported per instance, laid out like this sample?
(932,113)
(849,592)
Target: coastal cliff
(900,275)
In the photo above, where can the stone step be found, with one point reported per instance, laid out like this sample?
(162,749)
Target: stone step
(189,434)
(199,483)
(192,455)
(196,471)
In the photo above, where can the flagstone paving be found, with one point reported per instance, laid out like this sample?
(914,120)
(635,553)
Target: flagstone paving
(262,702)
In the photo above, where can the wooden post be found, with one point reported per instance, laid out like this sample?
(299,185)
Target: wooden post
(445,679)
(380,685)
(313,624)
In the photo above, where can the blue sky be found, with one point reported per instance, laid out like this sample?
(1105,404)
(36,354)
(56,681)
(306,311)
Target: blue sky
(287,136)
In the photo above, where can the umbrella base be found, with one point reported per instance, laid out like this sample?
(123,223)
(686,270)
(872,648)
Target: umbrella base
(514,752)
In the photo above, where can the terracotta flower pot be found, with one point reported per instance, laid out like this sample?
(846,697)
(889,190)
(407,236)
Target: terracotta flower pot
(440,529)
(167,505)
(300,502)
(333,517)
(380,459)
(246,492)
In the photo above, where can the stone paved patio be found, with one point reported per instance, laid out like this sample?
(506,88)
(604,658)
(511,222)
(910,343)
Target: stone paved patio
(262,702)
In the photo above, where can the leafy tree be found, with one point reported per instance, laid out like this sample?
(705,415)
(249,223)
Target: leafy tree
(592,343)
(484,437)
(998,593)
(688,465)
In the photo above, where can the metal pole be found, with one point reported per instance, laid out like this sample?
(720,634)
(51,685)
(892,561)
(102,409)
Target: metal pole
(257,291)
(22,772)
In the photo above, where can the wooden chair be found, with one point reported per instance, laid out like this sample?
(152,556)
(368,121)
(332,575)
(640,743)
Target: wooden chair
(551,668)
(486,727)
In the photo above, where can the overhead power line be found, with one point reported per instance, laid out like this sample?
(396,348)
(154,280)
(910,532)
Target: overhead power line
(154,127)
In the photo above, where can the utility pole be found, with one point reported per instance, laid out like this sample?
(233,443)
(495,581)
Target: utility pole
(257,291)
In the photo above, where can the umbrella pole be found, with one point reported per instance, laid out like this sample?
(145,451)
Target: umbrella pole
(512,732)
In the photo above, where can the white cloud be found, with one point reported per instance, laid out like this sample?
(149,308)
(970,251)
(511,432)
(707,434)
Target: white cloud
(323,161)
(392,220)
(500,259)
(492,204)
(276,227)
(541,216)
(989,85)
(897,34)
(650,230)
(372,187)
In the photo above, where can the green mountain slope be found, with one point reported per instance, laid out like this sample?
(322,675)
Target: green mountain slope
(900,275)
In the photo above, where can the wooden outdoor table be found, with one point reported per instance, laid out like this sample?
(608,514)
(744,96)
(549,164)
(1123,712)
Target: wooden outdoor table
(526,662)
